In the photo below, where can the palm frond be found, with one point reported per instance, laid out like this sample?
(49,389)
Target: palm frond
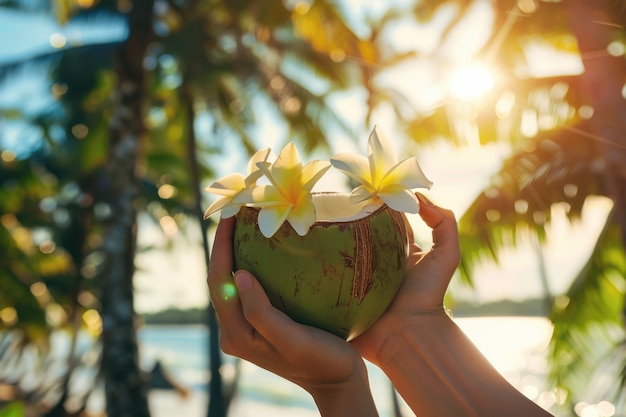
(587,324)
(325,29)
(556,167)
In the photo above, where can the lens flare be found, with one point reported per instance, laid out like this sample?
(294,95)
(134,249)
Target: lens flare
(468,83)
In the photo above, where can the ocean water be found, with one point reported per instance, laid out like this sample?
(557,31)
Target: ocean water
(515,346)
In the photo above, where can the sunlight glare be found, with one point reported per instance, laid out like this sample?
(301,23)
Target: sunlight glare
(228,291)
(616,49)
(169,226)
(57,40)
(8,316)
(7,156)
(585,112)
(606,408)
(505,105)
(85,4)
(589,411)
(527,6)
(545,60)
(167,191)
(467,83)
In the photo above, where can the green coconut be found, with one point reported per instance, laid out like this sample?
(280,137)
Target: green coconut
(341,276)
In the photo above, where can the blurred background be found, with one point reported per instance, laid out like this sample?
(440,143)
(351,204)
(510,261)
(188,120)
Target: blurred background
(115,114)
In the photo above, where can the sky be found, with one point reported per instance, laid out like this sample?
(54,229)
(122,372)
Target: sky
(23,35)
(459,174)
(176,277)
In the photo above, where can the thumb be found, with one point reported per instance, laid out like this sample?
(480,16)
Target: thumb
(271,323)
(253,298)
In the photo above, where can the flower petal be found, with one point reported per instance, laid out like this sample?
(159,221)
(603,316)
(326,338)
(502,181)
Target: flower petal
(354,166)
(408,173)
(302,216)
(400,198)
(229,210)
(271,218)
(286,171)
(259,156)
(312,172)
(228,185)
(264,168)
(361,193)
(216,206)
(253,170)
(259,196)
(382,157)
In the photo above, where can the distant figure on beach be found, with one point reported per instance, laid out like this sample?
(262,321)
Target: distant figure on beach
(160,379)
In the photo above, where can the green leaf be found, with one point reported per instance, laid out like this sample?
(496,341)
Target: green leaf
(556,167)
(587,324)
(323,28)
(13,409)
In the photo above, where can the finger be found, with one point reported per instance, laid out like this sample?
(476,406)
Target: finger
(221,287)
(274,325)
(445,231)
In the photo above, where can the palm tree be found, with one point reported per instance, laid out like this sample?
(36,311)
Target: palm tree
(574,150)
(211,73)
(49,205)
(567,166)
(227,57)
(77,231)
(126,391)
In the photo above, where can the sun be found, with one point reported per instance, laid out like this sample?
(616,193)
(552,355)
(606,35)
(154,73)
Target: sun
(469,82)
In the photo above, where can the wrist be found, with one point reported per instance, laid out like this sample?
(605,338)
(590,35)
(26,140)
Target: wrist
(403,338)
(349,396)
(438,371)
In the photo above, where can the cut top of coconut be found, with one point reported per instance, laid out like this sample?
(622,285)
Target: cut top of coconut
(337,207)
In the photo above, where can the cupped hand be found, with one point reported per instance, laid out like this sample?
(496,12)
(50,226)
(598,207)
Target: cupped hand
(425,283)
(323,364)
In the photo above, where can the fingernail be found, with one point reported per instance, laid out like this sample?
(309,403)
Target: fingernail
(243,281)
(425,201)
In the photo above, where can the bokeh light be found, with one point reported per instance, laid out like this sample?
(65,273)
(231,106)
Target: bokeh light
(8,316)
(167,191)
(80,131)
(467,83)
(7,156)
(169,226)
(57,40)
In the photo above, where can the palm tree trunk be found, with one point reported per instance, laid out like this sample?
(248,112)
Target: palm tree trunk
(125,386)
(218,404)
(594,24)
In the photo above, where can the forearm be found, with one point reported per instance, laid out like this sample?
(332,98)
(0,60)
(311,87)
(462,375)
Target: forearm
(439,372)
(351,397)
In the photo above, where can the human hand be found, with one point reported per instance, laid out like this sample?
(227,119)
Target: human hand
(425,283)
(434,366)
(326,366)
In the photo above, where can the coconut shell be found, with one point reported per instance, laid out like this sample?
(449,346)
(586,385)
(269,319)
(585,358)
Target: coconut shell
(339,277)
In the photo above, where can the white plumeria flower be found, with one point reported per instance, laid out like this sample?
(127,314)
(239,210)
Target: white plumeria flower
(382,176)
(288,197)
(232,184)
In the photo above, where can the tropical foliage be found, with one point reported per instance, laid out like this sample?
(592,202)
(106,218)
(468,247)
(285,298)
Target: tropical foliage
(565,134)
(133,125)
(72,198)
